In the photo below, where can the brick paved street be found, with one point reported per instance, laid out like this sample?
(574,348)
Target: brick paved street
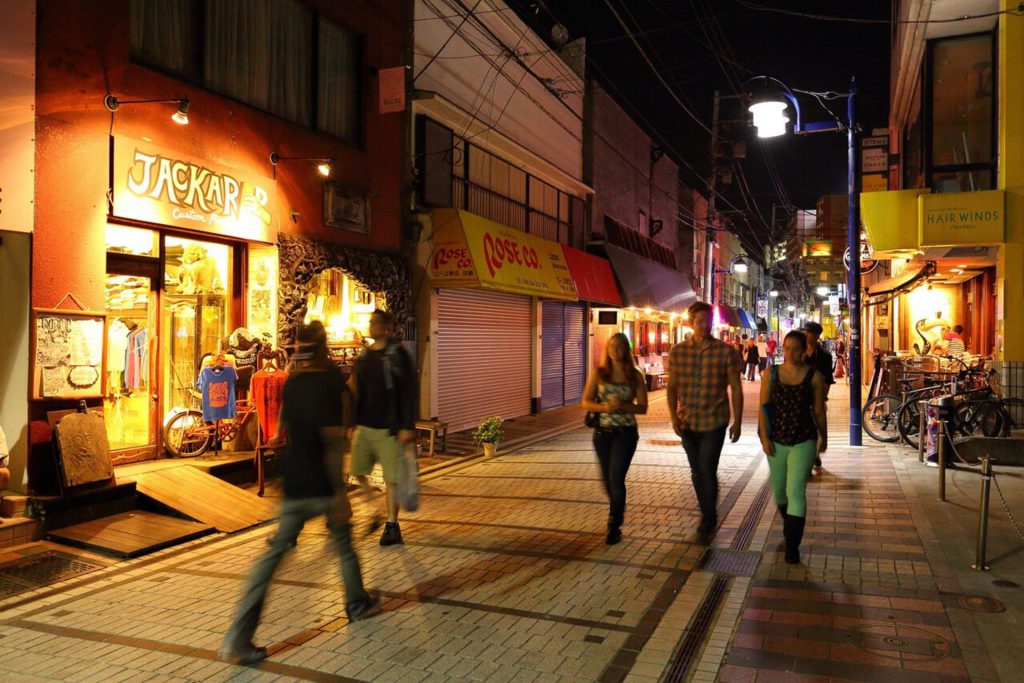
(505,577)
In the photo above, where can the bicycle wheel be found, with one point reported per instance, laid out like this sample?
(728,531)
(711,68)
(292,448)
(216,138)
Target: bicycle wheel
(909,421)
(879,418)
(999,416)
(186,435)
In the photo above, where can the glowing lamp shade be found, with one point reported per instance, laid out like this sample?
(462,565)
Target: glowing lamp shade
(769,118)
(324,169)
(181,116)
(740,267)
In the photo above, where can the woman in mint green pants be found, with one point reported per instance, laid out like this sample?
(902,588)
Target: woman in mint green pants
(793,431)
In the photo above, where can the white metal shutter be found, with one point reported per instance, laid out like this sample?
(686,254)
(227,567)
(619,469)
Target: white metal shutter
(552,357)
(575,351)
(483,356)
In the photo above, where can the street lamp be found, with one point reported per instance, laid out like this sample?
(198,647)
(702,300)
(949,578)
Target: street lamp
(737,264)
(769,98)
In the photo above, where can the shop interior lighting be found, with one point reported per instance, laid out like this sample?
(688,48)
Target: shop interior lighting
(324,165)
(822,291)
(773,293)
(180,116)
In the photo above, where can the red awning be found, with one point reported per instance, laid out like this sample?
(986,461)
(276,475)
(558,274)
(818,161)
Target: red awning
(593,277)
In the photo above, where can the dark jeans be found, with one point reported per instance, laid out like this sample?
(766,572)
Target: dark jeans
(751,370)
(615,449)
(294,513)
(703,449)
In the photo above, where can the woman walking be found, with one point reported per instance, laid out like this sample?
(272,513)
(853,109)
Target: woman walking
(797,433)
(752,358)
(617,393)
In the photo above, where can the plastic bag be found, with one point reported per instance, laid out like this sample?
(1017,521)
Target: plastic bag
(409,479)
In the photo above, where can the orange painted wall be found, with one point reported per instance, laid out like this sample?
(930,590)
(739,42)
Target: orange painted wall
(83,50)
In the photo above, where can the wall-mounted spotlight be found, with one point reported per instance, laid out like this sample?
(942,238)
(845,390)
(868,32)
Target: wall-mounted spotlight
(324,166)
(180,116)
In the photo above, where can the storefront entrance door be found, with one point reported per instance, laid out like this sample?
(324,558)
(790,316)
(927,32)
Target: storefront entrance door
(130,406)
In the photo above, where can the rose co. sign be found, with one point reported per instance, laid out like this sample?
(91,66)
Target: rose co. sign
(158,186)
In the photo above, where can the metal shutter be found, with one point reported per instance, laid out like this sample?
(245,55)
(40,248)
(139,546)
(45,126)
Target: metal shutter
(483,356)
(575,351)
(552,368)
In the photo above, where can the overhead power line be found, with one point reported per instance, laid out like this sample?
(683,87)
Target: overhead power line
(855,20)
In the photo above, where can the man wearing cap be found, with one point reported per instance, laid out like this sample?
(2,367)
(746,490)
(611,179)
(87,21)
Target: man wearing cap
(820,359)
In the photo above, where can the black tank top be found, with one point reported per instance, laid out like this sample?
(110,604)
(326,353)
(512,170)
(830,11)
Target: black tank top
(793,406)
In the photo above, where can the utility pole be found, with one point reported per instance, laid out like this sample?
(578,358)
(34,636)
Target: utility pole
(709,221)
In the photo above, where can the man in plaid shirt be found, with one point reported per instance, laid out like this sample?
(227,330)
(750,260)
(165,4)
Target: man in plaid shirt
(702,371)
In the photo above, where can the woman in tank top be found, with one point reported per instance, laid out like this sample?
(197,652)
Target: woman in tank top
(617,393)
(799,432)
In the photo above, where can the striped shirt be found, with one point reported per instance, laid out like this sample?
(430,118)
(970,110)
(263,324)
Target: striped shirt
(702,371)
(955,346)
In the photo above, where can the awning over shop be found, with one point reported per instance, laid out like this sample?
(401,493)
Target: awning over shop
(748,319)
(727,315)
(906,279)
(472,251)
(647,284)
(593,277)
(891,221)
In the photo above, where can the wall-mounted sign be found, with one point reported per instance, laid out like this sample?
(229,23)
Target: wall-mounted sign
(867,263)
(68,354)
(161,186)
(874,154)
(874,182)
(391,84)
(969,218)
(818,248)
(346,207)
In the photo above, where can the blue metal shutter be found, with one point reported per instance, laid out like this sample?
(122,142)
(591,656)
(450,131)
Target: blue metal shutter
(575,351)
(552,368)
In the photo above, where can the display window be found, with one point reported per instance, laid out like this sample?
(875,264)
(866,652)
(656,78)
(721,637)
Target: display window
(122,239)
(195,313)
(343,305)
(128,403)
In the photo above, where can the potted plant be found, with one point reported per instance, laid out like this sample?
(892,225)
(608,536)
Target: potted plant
(489,434)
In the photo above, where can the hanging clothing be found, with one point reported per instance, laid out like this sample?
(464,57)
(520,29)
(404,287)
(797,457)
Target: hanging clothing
(136,359)
(117,346)
(217,383)
(267,393)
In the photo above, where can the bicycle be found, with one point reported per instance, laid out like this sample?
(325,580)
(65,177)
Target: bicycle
(881,414)
(187,435)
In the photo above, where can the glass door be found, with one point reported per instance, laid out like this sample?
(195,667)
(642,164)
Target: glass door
(130,404)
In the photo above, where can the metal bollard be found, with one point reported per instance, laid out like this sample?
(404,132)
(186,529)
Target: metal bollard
(942,460)
(922,430)
(986,479)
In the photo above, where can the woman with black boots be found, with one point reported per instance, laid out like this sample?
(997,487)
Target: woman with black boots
(617,393)
(793,432)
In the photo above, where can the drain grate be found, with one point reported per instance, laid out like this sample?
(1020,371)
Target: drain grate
(742,539)
(735,562)
(687,654)
(42,569)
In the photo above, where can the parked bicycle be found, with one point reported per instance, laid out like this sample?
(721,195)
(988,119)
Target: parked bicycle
(187,435)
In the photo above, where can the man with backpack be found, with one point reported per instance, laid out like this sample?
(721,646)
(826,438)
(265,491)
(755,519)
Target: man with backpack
(384,385)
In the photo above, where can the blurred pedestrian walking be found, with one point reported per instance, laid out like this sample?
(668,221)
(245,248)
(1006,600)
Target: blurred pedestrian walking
(703,374)
(312,417)
(617,393)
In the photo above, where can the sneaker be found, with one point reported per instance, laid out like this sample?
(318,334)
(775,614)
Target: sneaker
(244,655)
(371,607)
(392,534)
(614,535)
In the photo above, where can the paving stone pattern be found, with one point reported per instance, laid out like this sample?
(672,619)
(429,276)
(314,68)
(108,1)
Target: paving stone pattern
(505,577)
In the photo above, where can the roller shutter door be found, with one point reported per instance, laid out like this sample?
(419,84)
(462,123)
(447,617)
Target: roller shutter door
(563,354)
(483,356)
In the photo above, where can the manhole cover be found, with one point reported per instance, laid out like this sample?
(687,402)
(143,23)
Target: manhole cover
(899,642)
(980,603)
(1005,583)
(42,569)
(736,562)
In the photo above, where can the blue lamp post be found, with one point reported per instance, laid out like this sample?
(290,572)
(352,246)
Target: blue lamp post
(769,99)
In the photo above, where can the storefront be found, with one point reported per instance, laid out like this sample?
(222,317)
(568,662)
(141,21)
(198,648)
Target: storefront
(493,289)
(595,285)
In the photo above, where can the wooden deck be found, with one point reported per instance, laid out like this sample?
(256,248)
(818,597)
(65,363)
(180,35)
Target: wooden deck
(130,534)
(201,496)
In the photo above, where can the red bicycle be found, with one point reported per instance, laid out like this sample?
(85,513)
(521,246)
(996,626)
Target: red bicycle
(187,435)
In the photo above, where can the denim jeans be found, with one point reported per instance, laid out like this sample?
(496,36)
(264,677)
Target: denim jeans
(703,450)
(615,449)
(294,513)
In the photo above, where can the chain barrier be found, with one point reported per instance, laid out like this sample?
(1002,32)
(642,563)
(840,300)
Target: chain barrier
(1006,508)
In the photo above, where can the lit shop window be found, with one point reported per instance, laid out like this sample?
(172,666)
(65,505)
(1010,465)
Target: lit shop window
(134,241)
(342,304)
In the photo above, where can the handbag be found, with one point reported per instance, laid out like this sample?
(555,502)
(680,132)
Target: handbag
(768,409)
(409,479)
(591,420)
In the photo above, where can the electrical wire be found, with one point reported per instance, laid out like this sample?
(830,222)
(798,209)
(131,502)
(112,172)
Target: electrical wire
(445,44)
(1019,11)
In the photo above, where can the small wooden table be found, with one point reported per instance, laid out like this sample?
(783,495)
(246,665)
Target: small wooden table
(435,429)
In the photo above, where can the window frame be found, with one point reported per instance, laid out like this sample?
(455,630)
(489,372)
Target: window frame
(927,105)
(197,77)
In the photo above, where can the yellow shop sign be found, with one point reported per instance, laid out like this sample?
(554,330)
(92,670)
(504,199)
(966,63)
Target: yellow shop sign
(968,218)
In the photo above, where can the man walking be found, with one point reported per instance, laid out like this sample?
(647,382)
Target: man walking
(819,359)
(703,371)
(384,384)
(312,417)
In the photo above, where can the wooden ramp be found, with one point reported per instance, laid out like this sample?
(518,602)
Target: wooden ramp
(202,496)
(130,534)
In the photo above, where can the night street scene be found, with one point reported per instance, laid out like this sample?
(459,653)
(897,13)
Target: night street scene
(652,341)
